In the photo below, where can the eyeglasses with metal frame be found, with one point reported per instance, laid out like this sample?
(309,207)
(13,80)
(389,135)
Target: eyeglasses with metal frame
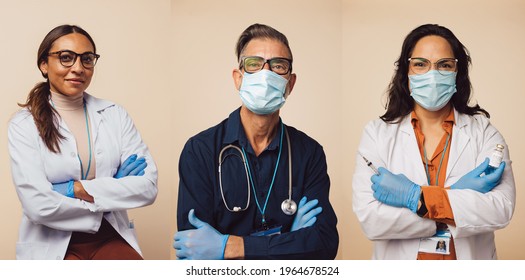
(420,65)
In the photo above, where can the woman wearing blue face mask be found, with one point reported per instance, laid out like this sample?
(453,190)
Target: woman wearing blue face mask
(434,180)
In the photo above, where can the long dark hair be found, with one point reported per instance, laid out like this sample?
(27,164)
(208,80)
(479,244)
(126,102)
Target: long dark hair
(399,101)
(37,102)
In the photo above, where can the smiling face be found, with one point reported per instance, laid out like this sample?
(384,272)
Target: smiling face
(72,80)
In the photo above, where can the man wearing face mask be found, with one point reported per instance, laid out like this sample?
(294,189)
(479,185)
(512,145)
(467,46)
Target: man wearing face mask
(252,187)
(432,150)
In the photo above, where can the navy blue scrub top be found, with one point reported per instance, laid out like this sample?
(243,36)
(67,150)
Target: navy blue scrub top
(199,190)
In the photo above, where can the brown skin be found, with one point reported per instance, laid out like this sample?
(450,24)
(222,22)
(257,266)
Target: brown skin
(259,129)
(432,48)
(70,81)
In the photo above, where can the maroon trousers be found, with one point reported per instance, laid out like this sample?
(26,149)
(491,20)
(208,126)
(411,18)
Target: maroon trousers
(106,244)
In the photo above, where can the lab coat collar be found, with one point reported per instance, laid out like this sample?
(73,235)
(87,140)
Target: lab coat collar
(460,140)
(96,104)
(235,133)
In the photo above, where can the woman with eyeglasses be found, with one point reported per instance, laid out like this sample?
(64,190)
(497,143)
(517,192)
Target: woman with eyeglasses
(77,161)
(432,149)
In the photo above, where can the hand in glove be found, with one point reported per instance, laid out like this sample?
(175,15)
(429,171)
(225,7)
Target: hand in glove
(475,181)
(395,189)
(202,243)
(306,214)
(131,167)
(65,188)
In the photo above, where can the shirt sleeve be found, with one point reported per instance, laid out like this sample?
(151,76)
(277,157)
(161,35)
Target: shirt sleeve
(319,241)
(196,191)
(438,205)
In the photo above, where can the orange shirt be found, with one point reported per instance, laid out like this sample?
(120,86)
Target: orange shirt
(435,195)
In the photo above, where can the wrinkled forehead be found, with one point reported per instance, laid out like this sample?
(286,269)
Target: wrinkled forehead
(266,48)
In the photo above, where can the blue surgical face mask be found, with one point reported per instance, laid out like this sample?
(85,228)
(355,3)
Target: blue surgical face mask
(432,90)
(263,92)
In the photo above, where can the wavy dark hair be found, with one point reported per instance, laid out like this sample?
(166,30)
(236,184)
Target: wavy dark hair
(37,102)
(400,103)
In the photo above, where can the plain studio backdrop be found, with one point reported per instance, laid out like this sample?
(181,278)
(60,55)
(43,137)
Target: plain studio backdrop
(169,63)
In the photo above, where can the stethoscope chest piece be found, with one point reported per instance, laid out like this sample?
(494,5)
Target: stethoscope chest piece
(289,207)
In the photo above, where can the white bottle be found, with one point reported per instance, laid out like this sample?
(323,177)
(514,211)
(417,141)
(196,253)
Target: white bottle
(497,156)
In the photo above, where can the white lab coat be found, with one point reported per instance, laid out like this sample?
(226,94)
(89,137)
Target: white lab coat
(48,217)
(396,231)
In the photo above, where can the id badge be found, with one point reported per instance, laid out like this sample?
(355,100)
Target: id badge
(268,232)
(437,244)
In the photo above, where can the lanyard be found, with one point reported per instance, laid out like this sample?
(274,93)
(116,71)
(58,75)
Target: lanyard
(84,176)
(263,210)
(440,161)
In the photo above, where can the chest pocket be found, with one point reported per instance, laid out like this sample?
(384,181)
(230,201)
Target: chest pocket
(63,166)
(107,148)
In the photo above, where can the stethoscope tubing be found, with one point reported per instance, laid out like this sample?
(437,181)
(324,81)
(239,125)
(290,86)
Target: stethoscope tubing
(244,160)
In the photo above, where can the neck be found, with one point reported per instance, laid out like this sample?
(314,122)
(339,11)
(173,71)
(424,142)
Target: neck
(430,118)
(67,102)
(259,129)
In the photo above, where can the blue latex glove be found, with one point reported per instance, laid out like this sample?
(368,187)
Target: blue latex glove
(65,188)
(131,167)
(475,181)
(395,189)
(306,214)
(202,243)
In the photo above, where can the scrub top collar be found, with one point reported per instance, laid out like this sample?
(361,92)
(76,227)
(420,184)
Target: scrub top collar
(235,133)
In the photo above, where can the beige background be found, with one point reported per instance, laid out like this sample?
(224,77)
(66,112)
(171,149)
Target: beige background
(132,71)
(169,64)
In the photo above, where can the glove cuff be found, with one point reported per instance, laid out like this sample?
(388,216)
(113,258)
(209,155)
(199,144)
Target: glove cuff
(224,241)
(70,192)
(413,198)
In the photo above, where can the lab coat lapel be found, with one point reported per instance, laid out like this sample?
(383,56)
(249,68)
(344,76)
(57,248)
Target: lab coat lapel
(459,141)
(95,106)
(414,170)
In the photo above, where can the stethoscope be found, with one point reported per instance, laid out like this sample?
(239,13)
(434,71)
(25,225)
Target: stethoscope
(288,206)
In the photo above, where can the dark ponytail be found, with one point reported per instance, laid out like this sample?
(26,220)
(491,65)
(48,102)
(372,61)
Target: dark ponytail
(45,116)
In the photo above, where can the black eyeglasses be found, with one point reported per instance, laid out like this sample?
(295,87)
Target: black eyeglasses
(68,58)
(253,64)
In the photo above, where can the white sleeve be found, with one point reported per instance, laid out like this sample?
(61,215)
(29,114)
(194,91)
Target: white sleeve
(129,192)
(380,221)
(39,202)
(475,212)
